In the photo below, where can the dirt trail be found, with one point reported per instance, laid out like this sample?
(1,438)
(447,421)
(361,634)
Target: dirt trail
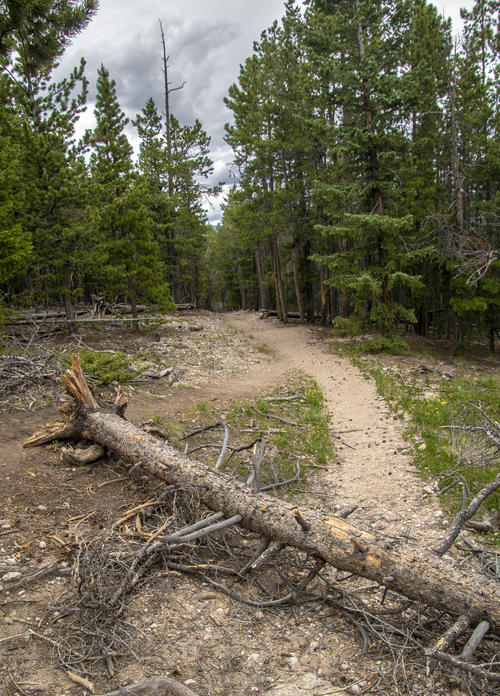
(204,638)
(372,469)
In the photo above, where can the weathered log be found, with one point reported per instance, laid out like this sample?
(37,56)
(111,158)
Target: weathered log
(154,686)
(88,320)
(416,573)
(274,313)
(82,455)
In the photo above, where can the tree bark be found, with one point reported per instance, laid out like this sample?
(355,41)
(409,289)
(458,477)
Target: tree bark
(68,306)
(241,283)
(261,278)
(418,574)
(278,280)
(296,281)
(323,275)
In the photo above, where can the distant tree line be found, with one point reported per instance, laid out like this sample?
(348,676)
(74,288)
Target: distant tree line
(368,152)
(79,218)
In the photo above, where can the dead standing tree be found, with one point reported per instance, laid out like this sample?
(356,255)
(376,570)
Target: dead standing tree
(415,573)
(174,280)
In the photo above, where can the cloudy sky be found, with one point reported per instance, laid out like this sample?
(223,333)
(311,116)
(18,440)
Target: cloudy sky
(207,40)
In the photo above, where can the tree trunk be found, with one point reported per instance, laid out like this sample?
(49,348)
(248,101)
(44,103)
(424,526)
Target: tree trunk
(278,280)
(133,308)
(323,275)
(413,572)
(457,174)
(261,278)
(296,281)
(68,306)
(243,294)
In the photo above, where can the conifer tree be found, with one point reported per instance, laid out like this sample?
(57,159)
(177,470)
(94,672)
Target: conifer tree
(39,31)
(476,199)
(131,264)
(176,171)
(371,265)
(53,183)
(275,147)
(15,238)
(235,279)
(43,177)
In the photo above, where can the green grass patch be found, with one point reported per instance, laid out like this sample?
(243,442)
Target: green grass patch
(426,409)
(296,431)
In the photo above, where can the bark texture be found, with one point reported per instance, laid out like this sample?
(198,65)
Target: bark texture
(418,574)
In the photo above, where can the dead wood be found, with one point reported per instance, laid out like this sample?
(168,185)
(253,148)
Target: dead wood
(82,455)
(53,569)
(466,514)
(479,672)
(475,440)
(274,313)
(473,642)
(155,687)
(85,320)
(412,572)
(275,417)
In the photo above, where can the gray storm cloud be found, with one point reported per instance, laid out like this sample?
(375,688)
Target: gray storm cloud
(206,40)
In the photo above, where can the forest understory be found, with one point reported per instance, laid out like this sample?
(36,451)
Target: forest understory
(202,617)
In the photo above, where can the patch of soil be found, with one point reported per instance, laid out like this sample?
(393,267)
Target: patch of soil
(182,627)
(372,469)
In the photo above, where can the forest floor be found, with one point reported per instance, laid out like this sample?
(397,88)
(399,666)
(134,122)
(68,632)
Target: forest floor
(182,627)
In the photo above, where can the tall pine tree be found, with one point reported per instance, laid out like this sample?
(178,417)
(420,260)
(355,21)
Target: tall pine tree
(131,264)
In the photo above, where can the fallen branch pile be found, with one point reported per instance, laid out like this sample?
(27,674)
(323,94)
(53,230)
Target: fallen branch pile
(475,441)
(27,370)
(322,540)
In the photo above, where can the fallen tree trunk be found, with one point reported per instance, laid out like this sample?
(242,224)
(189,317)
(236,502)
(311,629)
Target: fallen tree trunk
(274,313)
(418,574)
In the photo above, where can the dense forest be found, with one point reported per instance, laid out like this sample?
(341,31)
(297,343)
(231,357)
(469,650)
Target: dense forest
(79,218)
(366,142)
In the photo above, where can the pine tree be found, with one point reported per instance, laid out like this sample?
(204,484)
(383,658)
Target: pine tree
(274,145)
(176,170)
(39,31)
(53,182)
(131,263)
(153,158)
(235,280)
(425,169)
(111,154)
(476,251)
(371,266)
(15,239)
(42,175)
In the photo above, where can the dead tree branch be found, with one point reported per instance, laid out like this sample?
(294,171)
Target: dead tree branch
(475,439)
(153,687)
(408,571)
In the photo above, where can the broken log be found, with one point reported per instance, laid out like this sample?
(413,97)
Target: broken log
(87,320)
(413,572)
(264,313)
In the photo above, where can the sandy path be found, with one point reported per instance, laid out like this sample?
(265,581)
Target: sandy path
(371,467)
